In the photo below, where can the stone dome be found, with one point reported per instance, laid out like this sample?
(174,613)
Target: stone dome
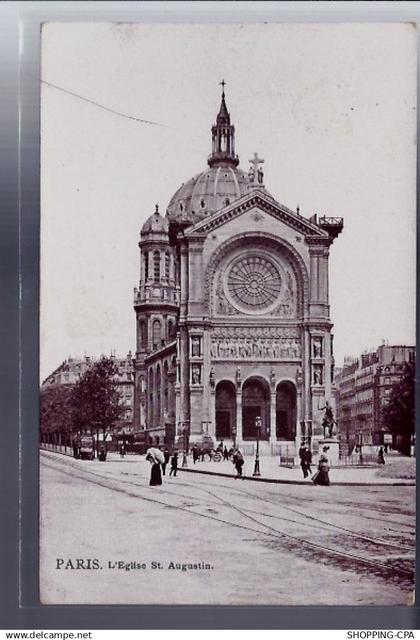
(207,192)
(155,224)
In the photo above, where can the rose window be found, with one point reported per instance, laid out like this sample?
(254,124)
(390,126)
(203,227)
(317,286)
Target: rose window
(254,282)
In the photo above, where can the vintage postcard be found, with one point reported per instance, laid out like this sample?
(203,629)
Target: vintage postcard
(227,314)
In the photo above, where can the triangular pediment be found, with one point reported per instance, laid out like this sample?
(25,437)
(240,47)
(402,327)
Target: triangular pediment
(261,200)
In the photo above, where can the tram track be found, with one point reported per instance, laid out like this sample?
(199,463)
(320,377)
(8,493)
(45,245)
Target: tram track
(321,523)
(137,491)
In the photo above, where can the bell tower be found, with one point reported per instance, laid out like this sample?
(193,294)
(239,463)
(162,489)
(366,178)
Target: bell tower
(223,138)
(155,304)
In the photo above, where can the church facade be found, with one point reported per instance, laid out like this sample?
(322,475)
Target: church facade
(233,320)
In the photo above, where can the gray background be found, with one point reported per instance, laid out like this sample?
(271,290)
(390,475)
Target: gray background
(19,606)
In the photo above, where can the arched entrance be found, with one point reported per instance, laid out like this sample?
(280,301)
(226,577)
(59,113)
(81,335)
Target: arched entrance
(255,402)
(225,409)
(286,411)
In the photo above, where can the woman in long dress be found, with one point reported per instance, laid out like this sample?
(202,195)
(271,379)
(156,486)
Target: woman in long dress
(155,472)
(321,477)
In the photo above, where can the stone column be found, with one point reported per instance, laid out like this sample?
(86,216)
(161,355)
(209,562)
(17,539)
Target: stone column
(239,416)
(212,414)
(184,376)
(299,416)
(195,284)
(184,280)
(306,361)
(318,290)
(273,398)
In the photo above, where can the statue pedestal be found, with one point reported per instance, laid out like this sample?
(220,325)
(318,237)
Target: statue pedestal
(333,452)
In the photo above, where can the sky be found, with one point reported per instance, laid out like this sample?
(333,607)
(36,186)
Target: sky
(330,107)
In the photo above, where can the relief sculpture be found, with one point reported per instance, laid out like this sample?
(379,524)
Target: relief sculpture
(235,348)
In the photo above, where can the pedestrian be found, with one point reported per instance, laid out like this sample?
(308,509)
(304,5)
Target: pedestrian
(302,457)
(102,453)
(155,472)
(380,459)
(195,453)
(122,449)
(201,453)
(308,459)
(210,454)
(238,461)
(321,476)
(166,455)
(225,454)
(174,463)
(76,447)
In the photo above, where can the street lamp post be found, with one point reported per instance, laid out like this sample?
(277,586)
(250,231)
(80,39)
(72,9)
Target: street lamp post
(360,446)
(257,452)
(234,435)
(185,458)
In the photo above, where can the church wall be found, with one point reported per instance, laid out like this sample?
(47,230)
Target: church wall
(309,324)
(252,221)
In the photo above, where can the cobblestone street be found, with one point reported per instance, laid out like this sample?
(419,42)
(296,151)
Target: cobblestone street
(200,539)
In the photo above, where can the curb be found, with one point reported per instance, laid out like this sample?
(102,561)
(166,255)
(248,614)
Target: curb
(302,482)
(70,455)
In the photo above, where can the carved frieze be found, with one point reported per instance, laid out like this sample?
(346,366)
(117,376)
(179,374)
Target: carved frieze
(255,332)
(256,348)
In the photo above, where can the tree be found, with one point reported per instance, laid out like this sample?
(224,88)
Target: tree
(399,414)
(56,410)
(95,399)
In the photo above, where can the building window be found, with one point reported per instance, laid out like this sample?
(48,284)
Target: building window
(146,266)
(143,335)
(151,416)
(156,334)
(171,330)
(156,266)
(167,265)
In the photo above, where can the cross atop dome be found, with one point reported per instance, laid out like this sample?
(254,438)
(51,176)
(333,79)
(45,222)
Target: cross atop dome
(223,117)
(255,173)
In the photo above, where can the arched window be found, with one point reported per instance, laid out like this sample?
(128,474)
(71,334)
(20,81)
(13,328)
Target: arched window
(143,335)
(158,412)
(150,407)
(165,387)
(156,334)
(171,330)
(156,266)
(146,266)
(167,265)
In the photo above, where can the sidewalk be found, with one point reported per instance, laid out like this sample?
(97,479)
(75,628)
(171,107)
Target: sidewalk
(272,472)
